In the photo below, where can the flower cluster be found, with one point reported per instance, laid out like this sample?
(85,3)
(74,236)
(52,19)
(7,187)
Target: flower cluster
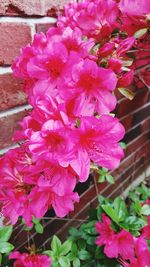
(70,75)
(123,245)
(26,260)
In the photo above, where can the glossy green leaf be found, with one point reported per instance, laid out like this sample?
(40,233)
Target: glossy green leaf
(111,213)
(64,261)
(110,178)
(66,247)
(84,255)
(127,93)
(76,262)
(56,245)
(6,247)
(39,228)
(145,210)
(140,32)
(5,233)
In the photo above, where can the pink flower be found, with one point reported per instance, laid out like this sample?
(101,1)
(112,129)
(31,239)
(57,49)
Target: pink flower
(125,245)
(142,254)
(95,19)
(116,245)
(15,166)
(93,82)
(115,64)
(134,7)
(106,49)
(126,79)
(72,39)
(43,197)
(134,15)
(53,142)
(146,229)
(125,46)
(105,231)
(97,140)
(107,236)
(33,260)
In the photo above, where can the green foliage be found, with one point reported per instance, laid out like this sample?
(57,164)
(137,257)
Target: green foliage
(60,253)
(5,246)
(36,225)
(105,176)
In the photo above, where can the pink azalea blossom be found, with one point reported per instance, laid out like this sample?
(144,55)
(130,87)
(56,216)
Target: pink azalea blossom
(125,46)
(142,254)
(97,140)
(134,7)
(27,260)
(146,229)
(126,79)
(134,15)
(115,64)
(105,231)
(95,19)
(53,142)
(92,82)
(107,236)
(43,197)
(120,244)
(106,49)
(125,245)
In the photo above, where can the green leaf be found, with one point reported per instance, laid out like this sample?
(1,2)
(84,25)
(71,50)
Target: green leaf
(123,145)
(35,220)
(136,207)
(76,262)
(74,249)
(48,253)
(111,213)
(145,210)
(81,244)
(127,93)
(120,207)
(66,247)
(84,255)
(71,256)
(127,63)
(64,261)
(56,245)
(74,232)
(140,32)
(92,214)
(55,264)
(39,228)
(6,247)
(26,228)
(1,257)
(5,233)
(78,122)
(110,178)
(101,178)
(133,196)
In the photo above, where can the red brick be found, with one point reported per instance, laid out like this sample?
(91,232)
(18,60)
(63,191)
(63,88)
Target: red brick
(145,125)
(137,144)
(11,92)
(8,125)
(126,106)
(30,7)
(127,122)
(13,36)
(44,27)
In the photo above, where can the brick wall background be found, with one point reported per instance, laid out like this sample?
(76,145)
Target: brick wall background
(19,20)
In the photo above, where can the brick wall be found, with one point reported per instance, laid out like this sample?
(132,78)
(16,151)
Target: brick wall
(19,20)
